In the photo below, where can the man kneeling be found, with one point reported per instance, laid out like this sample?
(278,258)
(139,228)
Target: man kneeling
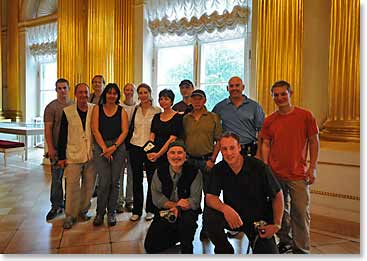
(176,191)
(250,194)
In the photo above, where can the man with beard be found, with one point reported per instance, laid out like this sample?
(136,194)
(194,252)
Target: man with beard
(176,187)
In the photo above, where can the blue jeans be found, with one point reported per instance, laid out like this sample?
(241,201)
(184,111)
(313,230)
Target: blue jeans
(57,193)
(128,198)
(109,178)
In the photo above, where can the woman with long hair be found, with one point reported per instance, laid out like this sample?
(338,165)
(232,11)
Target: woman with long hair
(141,121)
(109,127)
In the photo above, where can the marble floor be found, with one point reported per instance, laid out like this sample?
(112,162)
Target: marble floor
(24,203)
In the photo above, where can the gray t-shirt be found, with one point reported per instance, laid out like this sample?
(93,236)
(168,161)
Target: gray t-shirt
(53,114)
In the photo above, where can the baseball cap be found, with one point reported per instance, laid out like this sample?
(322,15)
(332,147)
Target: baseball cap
(185,82)
(198,93)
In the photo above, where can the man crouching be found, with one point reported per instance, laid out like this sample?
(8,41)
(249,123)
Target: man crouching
(176,187)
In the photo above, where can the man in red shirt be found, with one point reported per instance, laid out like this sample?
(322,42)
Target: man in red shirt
(288,134)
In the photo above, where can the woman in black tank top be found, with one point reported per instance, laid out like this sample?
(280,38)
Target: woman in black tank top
(110,127)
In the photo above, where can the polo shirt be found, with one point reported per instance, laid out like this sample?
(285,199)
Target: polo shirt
(250,192)
(201,134)
(245,120)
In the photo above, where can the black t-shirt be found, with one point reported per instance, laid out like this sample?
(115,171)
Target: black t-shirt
(164,129)
(183,107)
(250,192)
(109,127)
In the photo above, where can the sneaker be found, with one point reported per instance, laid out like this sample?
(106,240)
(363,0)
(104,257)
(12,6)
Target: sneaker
(84,217)
(98,220)
(111,219)
(53,213)
(129,207)
(284,248)
(120,209)
(149,216)
(134,217)
(68,222)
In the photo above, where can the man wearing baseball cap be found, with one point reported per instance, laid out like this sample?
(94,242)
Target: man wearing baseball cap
(202,130)
(176,186)
(184,106)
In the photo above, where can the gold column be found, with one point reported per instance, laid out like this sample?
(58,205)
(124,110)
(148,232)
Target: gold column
(13,93)
(279,48)
(1,77)
(100,59)
(72,41)
(344,73)
(123,44)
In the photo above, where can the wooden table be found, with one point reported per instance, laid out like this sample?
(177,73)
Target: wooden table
(22,128)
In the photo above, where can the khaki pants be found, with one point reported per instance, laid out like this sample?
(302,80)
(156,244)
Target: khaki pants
(80,178)
(296,217)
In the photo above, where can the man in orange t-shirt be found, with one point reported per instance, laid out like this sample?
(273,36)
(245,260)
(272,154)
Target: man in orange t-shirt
(288,134)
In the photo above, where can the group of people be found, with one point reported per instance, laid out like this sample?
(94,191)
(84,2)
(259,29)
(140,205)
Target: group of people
(264,175)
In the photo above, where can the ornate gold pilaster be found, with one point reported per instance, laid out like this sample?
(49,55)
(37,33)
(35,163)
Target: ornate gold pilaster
(13,93)
(100,48)
(344,73)
(72,41)
(123,44)
(279,45)
(1,77)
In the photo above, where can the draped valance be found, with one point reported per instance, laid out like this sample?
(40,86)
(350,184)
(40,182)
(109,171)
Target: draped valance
(195,17)
(42,42)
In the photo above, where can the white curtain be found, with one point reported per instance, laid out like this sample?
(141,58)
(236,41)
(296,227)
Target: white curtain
(42,42)
(195,17)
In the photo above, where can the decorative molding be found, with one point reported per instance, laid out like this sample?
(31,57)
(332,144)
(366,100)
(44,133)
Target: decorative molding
(334,195)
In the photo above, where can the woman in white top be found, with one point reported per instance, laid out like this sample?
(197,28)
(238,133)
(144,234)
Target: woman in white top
(141,134)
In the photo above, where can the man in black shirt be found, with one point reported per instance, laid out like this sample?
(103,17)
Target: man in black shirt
(185,106)
(250,194)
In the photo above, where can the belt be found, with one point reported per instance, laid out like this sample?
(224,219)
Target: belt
(204,157)
(244,146)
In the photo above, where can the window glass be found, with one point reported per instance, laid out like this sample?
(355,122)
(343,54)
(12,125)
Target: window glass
(48,77)
(174,65)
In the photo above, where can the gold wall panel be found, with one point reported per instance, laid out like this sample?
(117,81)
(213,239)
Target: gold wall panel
(279,46)
(100,59)
(123,44)
(343,123)
(13,94)
(72,42)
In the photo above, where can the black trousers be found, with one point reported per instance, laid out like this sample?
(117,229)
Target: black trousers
(215,225)
(162,235)
(139,160)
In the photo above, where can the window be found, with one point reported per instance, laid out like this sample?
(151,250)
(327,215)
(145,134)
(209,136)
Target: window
(175,64)
(48,77)
(215,63)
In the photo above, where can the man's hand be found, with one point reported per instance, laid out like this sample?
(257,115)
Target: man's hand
(174,210)
(51,153)
(268,231)
(233,219)
(209,164)
(184,204)
(62,163)
(311,175)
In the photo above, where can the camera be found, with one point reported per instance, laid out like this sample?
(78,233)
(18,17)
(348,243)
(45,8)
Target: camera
(168,215)
(258,224)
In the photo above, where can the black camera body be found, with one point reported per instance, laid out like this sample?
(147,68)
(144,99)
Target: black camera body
(258,224)
(168,215)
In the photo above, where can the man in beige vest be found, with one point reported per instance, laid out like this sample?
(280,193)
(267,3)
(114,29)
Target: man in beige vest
(75,155)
